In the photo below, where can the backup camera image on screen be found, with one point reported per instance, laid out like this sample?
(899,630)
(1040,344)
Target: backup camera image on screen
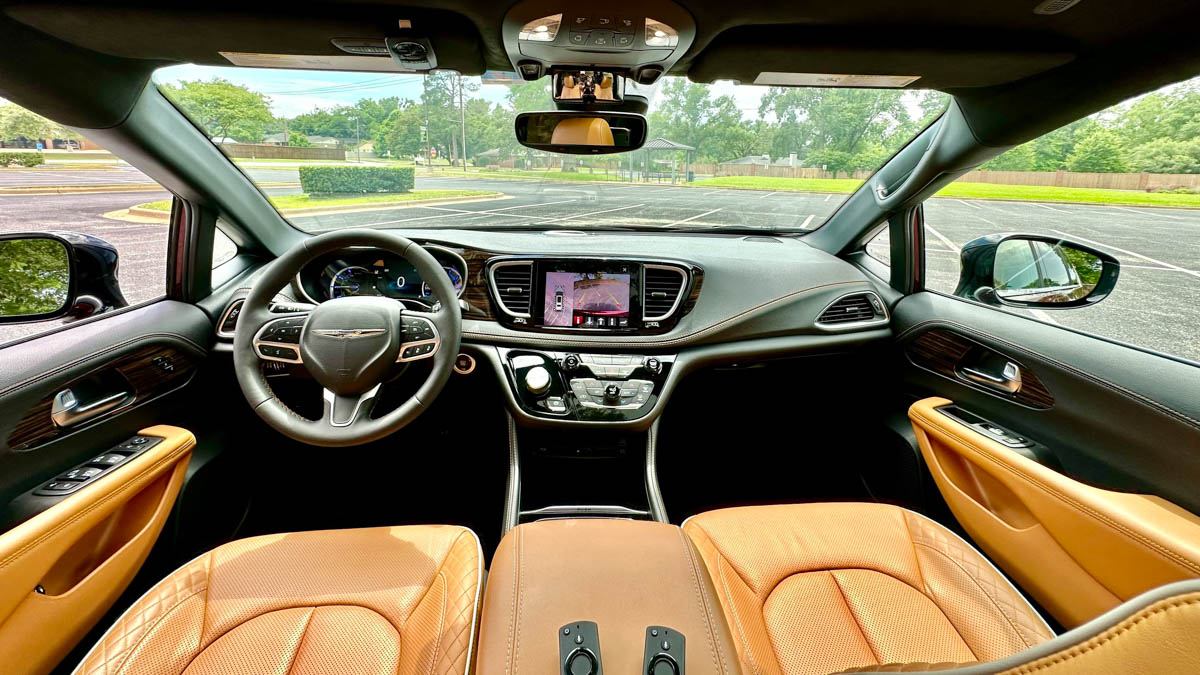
(586,300)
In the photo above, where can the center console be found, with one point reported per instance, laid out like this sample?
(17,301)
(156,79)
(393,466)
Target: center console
(585,387)
(593,596)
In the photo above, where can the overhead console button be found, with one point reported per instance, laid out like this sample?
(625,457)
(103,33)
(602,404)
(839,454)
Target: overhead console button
(600,38)
(623,40)
(578,37)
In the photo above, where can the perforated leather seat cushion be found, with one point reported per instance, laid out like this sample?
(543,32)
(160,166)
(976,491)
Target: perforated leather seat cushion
(818,588)
(379,600)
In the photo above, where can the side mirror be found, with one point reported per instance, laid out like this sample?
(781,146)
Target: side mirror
(53,275)
(1030,270)
(581,133)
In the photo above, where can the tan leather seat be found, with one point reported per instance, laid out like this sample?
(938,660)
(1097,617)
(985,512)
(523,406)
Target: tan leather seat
(380,600)
(819,588)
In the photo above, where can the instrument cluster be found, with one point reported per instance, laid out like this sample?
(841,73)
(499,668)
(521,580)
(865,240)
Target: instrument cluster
(368,271)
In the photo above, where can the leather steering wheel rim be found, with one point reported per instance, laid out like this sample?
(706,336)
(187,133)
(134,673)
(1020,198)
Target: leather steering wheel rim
(361,429)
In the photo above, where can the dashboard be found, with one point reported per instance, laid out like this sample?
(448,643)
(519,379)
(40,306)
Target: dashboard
(368,271)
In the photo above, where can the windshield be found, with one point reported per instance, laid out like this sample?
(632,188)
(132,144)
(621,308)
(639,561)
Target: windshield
(338,149)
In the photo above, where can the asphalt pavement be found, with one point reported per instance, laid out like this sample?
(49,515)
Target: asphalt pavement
(1156,303)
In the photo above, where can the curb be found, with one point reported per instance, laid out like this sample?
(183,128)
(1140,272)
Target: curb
(96,189)
(165,216)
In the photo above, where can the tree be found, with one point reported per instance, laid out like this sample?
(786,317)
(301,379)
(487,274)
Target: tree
(223,109)
(688,113)
(400,133)
(17,122)
(1099,151)
(1020,158)
(1165,155)
(298,140)
(843,120)
(34,275)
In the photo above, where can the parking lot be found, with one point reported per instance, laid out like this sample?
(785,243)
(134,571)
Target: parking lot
(1156,303)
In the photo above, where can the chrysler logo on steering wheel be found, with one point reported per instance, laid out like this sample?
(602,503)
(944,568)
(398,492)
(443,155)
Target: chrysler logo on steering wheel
(347,333)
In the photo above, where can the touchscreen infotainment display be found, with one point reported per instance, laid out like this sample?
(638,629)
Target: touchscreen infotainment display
(586,300)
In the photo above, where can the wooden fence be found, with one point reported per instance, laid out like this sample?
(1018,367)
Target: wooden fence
(1103,181)
(256,151)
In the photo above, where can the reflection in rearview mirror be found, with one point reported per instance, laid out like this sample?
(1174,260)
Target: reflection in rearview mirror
(587,86)
(581,133)
(35,276)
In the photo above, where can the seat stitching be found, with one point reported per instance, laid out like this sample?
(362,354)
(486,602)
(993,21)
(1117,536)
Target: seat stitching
(517,604)
(1137,538)
(929,591)
(129,652)
(978,585)
(708,635)
(853,617)
(299,647)
(440,569)
(1108,636)
(437,644)
(733,611)
(712,540)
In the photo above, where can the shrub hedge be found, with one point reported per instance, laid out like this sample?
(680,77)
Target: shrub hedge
(21,158)
(355,179)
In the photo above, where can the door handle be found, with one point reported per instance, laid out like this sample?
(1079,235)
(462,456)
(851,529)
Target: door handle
(1007,380)
(68,410)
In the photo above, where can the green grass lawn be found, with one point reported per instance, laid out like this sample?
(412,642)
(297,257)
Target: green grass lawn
(302,201)
(963,191)
(541,175)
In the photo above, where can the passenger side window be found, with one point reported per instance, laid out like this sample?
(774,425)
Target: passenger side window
(54,180)
(1123,182)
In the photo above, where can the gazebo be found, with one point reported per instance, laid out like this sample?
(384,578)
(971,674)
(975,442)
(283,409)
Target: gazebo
(662,144)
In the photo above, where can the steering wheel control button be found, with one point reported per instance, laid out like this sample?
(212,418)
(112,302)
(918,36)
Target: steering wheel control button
(579,649)
(665,651)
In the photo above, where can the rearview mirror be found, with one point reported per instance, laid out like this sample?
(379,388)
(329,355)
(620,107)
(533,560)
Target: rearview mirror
(36,277)
(581,133)
(1029,270)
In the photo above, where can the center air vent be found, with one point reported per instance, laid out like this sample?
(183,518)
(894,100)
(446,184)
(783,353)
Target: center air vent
(513,284)
(856,308)
(664,287)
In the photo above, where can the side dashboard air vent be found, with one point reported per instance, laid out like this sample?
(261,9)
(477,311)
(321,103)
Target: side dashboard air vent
(663,287)
(1051,7)
(513,284)
(853,309)
(228,322)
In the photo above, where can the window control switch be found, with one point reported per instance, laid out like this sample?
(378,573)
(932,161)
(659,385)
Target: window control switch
(82,473)
(108,459)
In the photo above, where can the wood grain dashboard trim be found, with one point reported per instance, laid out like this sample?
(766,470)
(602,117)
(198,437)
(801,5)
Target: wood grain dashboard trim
(940,351)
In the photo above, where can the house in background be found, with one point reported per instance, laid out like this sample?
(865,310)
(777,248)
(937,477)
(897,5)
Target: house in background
(758,160)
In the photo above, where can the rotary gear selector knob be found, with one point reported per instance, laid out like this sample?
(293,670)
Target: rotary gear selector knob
(537,380)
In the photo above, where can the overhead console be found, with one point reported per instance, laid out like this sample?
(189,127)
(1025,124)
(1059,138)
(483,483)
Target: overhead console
(640,39)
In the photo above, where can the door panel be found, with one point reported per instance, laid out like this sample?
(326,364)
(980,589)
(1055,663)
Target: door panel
(62,569)
(65,559)
(1078,549)
(1099,504)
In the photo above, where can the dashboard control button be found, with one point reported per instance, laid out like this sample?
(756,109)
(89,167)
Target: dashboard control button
(612,393)
(653,365)
(537,381)
(571,362)
(464,364)
(556,404)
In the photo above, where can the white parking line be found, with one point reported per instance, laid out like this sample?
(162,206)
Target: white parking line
(713,192)
(1044,316)
(1121,250)
(1145,213)
(592,213)
(768,195)
(450,215)
(941,237)
(1048,207)
(827,197)
(974,206)
(688,220)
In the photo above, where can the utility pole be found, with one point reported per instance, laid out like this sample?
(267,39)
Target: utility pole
(462,114)
(357,141)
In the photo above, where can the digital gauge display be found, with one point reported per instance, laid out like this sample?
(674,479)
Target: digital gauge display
(382,276)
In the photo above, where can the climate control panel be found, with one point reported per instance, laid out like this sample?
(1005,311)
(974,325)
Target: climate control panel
(582,386)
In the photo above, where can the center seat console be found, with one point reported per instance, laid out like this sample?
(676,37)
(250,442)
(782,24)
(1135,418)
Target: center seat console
(597,596)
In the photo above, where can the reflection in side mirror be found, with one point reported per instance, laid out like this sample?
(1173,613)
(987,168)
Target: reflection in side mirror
(1025,270)
(581,133)
(35,278)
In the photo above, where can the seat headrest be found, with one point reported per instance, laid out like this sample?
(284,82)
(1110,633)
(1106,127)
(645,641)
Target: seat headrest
(582,131)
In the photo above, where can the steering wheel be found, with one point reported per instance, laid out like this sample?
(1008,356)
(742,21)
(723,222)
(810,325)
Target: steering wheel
(349,345)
